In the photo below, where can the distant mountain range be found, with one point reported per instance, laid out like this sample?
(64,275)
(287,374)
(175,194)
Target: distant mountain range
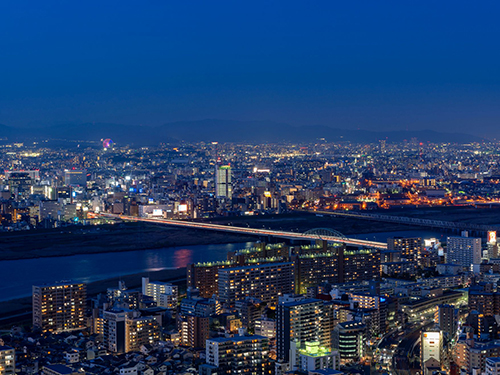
(221,131)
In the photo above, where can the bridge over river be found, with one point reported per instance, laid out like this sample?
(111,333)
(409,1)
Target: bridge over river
(247,231)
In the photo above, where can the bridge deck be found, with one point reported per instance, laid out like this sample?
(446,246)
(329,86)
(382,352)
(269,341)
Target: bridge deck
(248,231)
(411,221)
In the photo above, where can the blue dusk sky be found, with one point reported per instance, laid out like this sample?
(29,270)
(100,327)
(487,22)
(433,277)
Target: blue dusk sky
(379,65)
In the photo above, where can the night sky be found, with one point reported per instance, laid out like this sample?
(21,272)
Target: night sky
(349,64)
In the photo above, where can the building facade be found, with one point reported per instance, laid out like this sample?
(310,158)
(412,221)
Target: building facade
(59,307)
(464,251)
(7,360)
(238,355)
(265,282)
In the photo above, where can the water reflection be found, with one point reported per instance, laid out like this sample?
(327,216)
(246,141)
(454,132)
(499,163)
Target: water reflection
(183,257)
(18,276)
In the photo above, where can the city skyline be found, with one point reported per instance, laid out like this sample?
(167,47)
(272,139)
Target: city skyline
(265,188)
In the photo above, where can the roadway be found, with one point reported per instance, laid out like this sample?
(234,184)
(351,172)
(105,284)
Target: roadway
(240,230)
(409,220)
(398,347)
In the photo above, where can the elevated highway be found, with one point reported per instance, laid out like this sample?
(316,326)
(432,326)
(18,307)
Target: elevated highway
(247,231)
(409,220)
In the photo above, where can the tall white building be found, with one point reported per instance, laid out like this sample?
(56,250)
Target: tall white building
(431,347)
(164,294)
(223,184)
(464,251)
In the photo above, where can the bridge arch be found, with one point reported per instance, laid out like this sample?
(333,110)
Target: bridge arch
(328,232)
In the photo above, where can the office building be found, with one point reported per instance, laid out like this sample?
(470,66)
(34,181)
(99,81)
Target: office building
(348,338)
(164,294)
(265,282)
(7,360)
(223,183)
(20,184)
(431,351)
(75,177)
(464,251)
(237,355)
(59,307)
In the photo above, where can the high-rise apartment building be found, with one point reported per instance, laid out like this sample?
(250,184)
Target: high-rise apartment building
(114,330)
(125,331)
(379,306)
(338,264)
(411,248)
(464,251)
(223,186)
(265,282)
(59,307)
(237,355)
(487,303)
(140,331)
(249,309)
(312,266)
(7,360)
(298,320)
(265,327)
(194,330)
(205,276)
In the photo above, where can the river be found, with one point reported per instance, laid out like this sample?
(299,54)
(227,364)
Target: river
(18,276)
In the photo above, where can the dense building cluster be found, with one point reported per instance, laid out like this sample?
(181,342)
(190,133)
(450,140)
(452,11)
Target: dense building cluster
(46,187)
(292,307)
(277,308)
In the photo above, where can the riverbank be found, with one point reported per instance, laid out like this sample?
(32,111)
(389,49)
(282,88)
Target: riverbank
(106,238)
(18,311)
(144,236)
